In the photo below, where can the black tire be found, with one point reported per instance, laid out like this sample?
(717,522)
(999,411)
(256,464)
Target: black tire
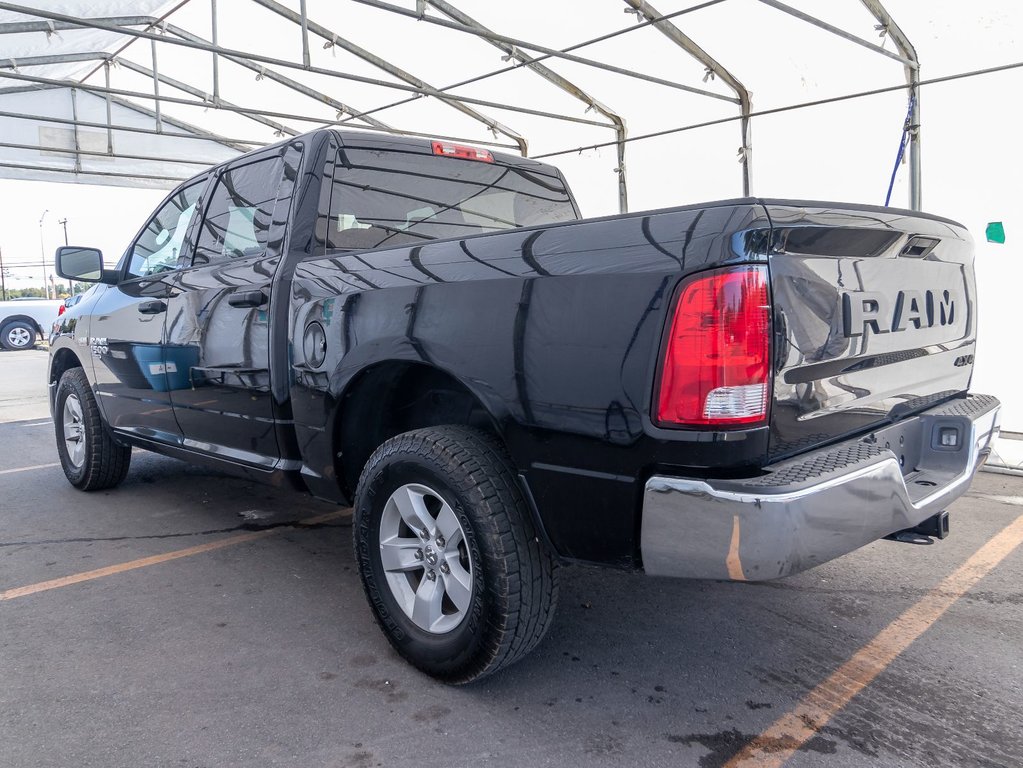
(18,335)
(103,463)
(514,583)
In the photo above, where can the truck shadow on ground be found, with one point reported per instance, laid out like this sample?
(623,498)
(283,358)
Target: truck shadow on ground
(633,665)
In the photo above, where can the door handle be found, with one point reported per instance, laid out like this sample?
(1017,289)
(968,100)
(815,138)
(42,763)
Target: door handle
(247,299)
(154,307)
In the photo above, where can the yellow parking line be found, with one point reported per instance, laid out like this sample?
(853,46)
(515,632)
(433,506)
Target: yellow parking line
(791,731)
(26,469)
(131,565)
(732,561)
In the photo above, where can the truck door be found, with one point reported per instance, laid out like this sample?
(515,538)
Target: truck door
(127,330)
(218,328)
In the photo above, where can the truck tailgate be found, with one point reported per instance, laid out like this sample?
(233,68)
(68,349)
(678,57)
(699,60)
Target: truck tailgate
(874,318)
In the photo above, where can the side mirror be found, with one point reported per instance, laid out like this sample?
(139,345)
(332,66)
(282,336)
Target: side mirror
(82,264)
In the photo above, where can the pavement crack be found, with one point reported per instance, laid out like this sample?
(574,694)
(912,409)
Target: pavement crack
(243,527)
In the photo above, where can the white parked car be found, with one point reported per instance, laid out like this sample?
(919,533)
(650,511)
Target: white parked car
(22,321)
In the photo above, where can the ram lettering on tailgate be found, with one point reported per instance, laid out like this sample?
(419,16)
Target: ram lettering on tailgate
(908,309)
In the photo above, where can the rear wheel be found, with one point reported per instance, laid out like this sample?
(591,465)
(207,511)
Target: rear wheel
(449,557)
(91,459)
(18,335)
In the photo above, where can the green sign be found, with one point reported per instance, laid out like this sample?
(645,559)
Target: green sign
(995,232)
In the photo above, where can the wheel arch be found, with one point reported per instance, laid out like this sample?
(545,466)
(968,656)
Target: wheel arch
(390,397)
(61,360)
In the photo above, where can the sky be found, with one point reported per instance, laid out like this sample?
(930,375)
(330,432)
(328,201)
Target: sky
(845,152)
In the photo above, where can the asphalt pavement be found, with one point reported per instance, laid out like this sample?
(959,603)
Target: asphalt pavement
(184,619)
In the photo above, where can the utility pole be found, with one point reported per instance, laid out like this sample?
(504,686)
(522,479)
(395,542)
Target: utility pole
(70,285)
(3,276)
(42,253)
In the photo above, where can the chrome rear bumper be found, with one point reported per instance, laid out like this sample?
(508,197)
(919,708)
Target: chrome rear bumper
(818,506)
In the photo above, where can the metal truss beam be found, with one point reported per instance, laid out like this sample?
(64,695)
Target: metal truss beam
(685,42)
(545,50)
(57,25)
(838,31)
(72,171)
(391,69)
(60,58)
(158,97)
(240,145)
(269,74)
(553,77)
(196,43)
(261,115)
(908,50)
(244,60)
(93,153)
(249,61)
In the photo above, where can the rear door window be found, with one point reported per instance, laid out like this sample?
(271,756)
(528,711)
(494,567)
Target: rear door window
(392,197)
(240,212)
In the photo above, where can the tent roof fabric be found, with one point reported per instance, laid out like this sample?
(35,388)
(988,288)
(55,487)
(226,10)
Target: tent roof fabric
(146,92)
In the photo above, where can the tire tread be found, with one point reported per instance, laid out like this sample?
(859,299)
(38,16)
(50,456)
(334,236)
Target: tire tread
(478,466)
(106,462)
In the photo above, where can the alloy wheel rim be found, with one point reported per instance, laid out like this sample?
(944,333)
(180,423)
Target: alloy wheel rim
(74,431)
(425,558)
(19,337)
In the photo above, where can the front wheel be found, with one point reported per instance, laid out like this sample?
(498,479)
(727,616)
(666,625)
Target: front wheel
(91,459)
(18,335)
(452,566)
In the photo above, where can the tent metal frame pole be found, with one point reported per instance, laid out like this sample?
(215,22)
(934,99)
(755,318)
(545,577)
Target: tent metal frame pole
(109,108)
(912,70)
(277,77)
(686,43)
(908,61)
(111,174)
(55,25)
(260,115)
(340,107)
(156,88)
(553,77)
(208,99)
(305,32)
(543,56)
(395,71)
(78,142)
(216,60)
(236,144)
(907,56)
(544,49)
(186,39)
(525,53)
(91,153)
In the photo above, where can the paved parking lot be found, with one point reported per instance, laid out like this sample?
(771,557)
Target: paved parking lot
(185,619)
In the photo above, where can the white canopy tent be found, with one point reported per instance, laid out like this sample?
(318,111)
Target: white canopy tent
(121,69)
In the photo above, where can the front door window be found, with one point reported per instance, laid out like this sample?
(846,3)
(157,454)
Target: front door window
(159,246)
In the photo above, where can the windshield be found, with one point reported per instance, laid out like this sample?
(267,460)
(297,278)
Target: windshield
(388,197)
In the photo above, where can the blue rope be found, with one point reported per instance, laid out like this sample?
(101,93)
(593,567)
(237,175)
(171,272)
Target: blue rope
(906,127)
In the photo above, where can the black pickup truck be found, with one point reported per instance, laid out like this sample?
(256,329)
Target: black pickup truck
(427,331)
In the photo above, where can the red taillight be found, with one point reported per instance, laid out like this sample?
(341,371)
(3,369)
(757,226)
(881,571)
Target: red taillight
(717,357)
(60,310)
(462,152)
